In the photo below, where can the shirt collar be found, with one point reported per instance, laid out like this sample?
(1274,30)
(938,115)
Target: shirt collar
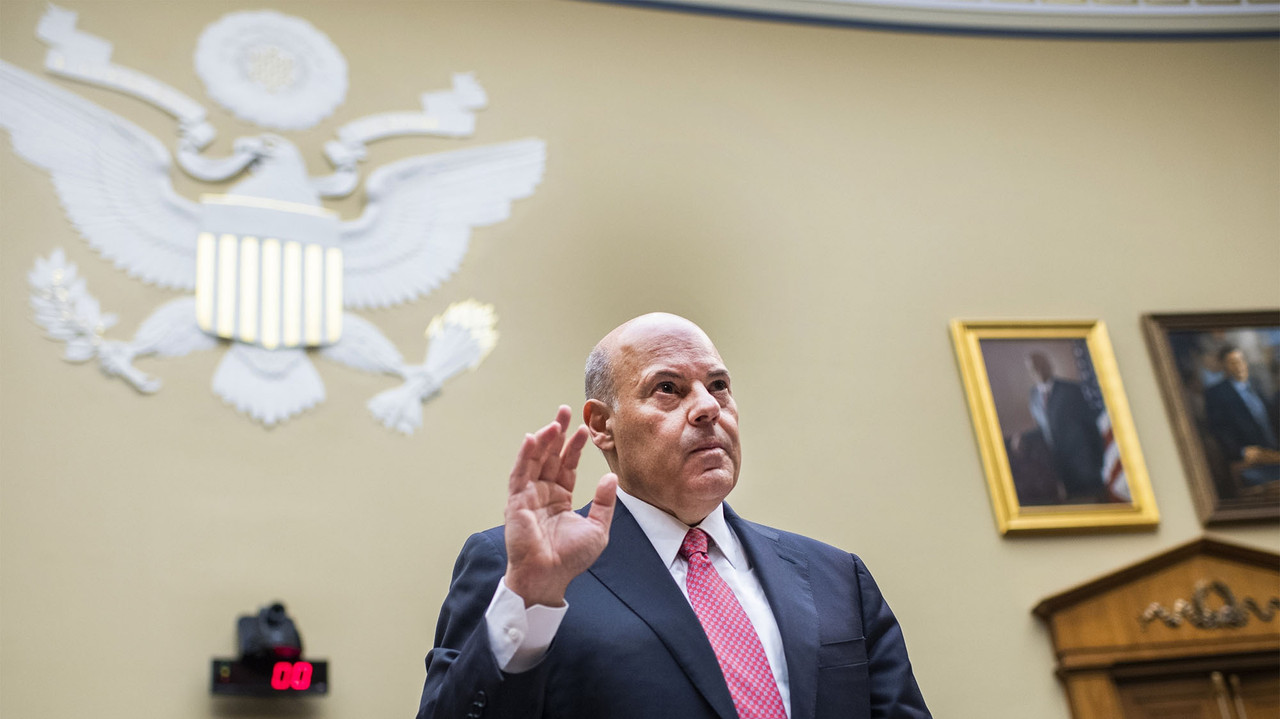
(666,533)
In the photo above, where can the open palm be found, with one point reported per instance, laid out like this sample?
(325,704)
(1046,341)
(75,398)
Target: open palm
(548,544)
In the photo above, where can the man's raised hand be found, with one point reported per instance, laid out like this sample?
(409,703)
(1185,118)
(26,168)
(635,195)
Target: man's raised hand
(548,544)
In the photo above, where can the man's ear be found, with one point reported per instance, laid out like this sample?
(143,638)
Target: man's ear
(599,420)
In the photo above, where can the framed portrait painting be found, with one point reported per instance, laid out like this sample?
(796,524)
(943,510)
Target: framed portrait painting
(1219,373)
(1053,426)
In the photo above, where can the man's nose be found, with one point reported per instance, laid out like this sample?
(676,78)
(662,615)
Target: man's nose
(705,407)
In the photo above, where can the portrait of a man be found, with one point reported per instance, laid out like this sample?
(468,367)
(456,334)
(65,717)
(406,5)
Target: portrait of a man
(1054,422)
(1230,383)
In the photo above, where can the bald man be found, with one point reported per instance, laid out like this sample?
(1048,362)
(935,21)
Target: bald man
(657,600)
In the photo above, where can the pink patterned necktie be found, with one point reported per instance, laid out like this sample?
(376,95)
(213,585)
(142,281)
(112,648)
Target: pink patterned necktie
(733,638)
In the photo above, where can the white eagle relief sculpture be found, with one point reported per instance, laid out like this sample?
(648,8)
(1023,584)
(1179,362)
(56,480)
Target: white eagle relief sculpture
(270,272)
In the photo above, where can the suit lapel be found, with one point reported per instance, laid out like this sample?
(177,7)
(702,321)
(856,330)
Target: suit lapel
(784,574)
(630,568)
(1252,426)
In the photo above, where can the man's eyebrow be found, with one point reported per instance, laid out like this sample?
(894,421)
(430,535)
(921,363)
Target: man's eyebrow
(663,374)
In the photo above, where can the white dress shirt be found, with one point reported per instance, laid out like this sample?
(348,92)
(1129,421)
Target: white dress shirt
(519,637)
(1040,410)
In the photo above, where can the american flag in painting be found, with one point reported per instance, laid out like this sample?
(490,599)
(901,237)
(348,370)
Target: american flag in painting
(1112,468)
(1113,475)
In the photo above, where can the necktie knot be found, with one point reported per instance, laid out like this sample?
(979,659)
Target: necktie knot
(695,542)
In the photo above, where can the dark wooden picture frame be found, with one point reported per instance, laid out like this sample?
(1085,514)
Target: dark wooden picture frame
(1234,476)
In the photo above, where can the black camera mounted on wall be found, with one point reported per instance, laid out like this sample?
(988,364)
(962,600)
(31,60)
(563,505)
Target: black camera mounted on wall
(271,635)
(271,661)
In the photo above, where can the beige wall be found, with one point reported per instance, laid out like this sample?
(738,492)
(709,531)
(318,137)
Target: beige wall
(822,200)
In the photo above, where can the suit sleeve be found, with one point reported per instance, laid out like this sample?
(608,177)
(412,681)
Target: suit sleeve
(894,692)
(463,677)
(1218,414)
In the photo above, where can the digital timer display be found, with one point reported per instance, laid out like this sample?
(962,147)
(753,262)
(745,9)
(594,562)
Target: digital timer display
(261,679)
(291,675)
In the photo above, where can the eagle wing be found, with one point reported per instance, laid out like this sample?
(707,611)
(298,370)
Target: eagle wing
(415,228)
(111,176)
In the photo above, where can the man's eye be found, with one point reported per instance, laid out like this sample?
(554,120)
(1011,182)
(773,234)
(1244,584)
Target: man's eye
(719,385)
(666,387)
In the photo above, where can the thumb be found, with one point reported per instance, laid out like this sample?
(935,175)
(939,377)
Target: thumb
(604,501)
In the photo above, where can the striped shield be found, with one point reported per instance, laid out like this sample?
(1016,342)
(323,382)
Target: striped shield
(268,272)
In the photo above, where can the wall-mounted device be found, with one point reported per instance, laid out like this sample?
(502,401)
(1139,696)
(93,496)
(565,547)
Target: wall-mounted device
(270,661)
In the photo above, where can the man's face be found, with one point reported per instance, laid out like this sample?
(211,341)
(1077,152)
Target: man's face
(675,425)
(1035,374)
(1235,366)
(1040,369)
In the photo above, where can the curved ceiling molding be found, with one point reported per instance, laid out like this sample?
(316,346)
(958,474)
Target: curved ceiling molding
(1053,17)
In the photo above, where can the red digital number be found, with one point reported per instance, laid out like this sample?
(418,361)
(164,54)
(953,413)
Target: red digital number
(286,675)
(301,678)
(281,673)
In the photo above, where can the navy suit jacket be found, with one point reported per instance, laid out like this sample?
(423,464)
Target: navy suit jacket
(1233,424)
(1077,447)
(630,646)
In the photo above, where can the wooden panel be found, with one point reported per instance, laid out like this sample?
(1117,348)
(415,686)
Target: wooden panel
(1177,697)
(1256,695)
(1110,619)
(1092,696)
(1116,666)
(1224,643)
(1224,694)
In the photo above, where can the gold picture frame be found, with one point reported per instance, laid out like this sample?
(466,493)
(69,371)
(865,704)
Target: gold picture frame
(1053,427)
(1226,485)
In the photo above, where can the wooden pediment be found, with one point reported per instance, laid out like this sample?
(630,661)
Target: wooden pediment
(1205,597)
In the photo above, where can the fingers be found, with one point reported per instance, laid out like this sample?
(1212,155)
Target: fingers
(603,503)
(554,432)
(544,453)
(526,467)
(569,457)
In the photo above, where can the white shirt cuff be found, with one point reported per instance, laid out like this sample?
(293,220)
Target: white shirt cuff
(519,637)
